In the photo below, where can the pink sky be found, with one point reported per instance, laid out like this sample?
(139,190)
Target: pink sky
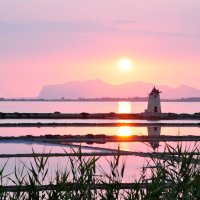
(56,41)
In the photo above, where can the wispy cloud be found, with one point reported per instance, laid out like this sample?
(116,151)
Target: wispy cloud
(56,26)
(124,22)
(116,26)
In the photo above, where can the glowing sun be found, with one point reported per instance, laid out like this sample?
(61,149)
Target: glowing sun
(125,64)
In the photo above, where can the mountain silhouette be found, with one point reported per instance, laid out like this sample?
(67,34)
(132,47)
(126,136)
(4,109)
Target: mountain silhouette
(99,89)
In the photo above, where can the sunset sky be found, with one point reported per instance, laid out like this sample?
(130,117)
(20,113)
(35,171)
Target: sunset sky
(56,41)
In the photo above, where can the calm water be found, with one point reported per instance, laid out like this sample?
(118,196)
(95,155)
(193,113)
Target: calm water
(121,131)
(92,107)
(95,107)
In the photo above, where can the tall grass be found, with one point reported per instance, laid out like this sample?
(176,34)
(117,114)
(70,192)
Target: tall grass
(174,175)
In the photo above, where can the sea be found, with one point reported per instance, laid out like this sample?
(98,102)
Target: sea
(133,163)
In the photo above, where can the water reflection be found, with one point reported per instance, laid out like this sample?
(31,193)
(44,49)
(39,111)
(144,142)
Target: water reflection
(125,131)
(154,131)
(124,107)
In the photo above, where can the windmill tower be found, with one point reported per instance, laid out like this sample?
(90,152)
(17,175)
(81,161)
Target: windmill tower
(154,105)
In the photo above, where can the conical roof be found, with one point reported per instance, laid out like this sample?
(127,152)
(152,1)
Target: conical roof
(155,91)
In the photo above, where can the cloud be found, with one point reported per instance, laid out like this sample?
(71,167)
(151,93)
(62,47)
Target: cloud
(124,22)
(56,26)
(37,27)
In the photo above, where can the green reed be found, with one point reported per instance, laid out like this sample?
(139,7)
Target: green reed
(175,174)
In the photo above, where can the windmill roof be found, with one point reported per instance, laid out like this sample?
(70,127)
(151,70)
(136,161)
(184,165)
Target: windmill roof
(155,91)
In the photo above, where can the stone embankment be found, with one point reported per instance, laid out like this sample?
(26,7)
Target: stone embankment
(99,138)
(111,115)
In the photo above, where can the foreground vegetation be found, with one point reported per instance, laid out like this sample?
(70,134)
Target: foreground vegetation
(174,175)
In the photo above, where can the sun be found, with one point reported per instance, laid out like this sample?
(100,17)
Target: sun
(125,64)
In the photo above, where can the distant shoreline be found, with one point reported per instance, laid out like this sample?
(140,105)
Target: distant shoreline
(133,99)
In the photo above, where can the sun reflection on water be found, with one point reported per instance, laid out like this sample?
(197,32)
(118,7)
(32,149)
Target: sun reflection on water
(124,131)
(124,107)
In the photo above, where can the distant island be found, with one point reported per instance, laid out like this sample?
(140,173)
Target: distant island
(97,90)
(101,91)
